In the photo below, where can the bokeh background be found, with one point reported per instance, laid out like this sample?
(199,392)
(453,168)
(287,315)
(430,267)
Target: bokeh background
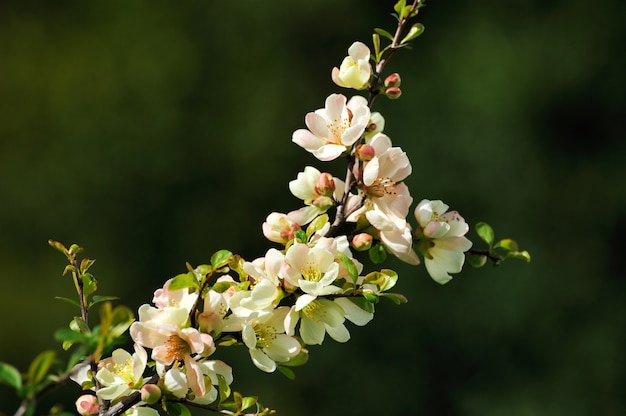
(154,133)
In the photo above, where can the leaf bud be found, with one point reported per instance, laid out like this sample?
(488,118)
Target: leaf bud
(393,80)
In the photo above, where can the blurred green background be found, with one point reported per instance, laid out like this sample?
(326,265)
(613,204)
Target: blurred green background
(154,133)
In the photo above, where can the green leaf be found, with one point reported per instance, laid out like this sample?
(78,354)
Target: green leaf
(477,260)
(416,30)
(377,253)
(97,299)
(349,265)
(396,298)
(10,376)
(376,41)
(247,402)
(371,297)
(40,366)
(399,6)
(183,281)
(221,287)
(60,247)
(287,372)
(520,255)
(390,279)
(78,325)
(85,264)
(90,284)
(317,224)
(176,409)
(67,335)
(507,244)
(485,232)
(300,236)
(298,360)
(384,33)
(220,258)
(223,388)
(67,300)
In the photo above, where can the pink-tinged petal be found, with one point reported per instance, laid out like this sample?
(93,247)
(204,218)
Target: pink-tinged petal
(334,75)
(317,124)
(328,152)
(357,103)
(194,376)
(304,215)
(352,134)
(306,140)
(380,142)
(458,226)
(436,229)
(335,106)
(297,256)
(146,335)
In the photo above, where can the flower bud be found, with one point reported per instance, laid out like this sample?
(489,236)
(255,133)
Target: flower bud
(87,404)
(323,202)
(376,125)
(325,184)
(393,93)
(279,228)
(362,242)
(150,393)
(393,80)
(365,152)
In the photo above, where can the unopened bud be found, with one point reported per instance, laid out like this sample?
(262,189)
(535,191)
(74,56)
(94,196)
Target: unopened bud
(393,93)
(150,393)
(362,242)
(325,184)
(365,152)
(323,202)
(393,80)
(87,404)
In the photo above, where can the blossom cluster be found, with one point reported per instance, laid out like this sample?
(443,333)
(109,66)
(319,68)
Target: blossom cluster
(307,287)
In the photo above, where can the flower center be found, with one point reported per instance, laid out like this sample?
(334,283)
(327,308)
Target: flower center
(380,188)
(311,273)
(265,335)
(177,348)
(125,370)
(314,311)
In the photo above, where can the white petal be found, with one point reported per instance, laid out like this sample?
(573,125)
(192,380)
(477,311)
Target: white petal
(262,361)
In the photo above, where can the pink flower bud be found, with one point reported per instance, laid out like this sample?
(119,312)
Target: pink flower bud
(365,152)
(393,80)
(325,184)
(87,404)
(393,93)
(150,393)
(362,242)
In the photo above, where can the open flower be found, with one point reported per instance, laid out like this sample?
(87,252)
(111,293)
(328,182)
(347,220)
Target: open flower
(121,373)
(335,128)
(279,228)
(264,335)
(443,243)
(317,318)
(318,190)
(355,70)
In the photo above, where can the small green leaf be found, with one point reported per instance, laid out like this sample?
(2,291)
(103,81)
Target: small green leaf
(477,260)
(247,402)
(221,287)
(10,376)
(70,301)
(376,41)
(377,253)
(317,224)
(399,6)
(384,33)
(223,388)
(60,247)
(396,298)
(183,281)
(85,264)
(349,265)
(371,297)
(97,299)
(67,335)
(78,325)
(520,255)
(390,279)
(90,284)
(40,366)
(220,258)
(507,244)
(416,30)
(485,232)
(287,372)
(300,236)
(298,360)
